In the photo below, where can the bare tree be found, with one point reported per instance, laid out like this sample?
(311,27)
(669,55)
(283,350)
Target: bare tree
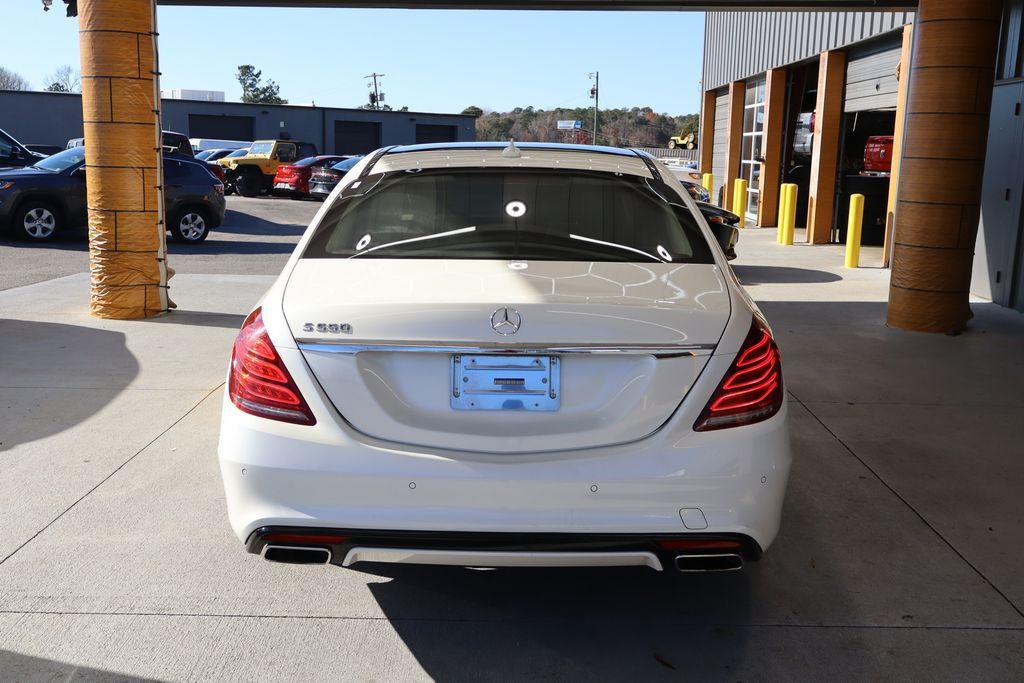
(64,79)
(12,81)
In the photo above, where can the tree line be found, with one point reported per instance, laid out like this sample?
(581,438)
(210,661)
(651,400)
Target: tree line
(625,127)
(63,79)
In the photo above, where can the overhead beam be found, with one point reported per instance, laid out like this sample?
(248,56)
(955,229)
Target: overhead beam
(643,5)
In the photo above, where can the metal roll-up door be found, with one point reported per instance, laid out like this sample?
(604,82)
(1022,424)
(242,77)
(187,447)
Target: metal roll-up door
(220,127)
(871,81)
(356,137)
(721,148)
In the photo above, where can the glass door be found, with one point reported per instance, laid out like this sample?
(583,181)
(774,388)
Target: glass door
(753,127)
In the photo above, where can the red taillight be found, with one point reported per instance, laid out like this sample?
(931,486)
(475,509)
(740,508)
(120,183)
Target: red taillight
(217,170)
(259,383)
(218,188)
(751,390)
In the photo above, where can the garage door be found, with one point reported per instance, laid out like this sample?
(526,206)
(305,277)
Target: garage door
(220,127)
(428,132)
(871,81)
(721,144)
(356,137)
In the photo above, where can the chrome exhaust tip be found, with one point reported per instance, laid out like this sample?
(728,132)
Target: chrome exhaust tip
(289,554)
(723,562)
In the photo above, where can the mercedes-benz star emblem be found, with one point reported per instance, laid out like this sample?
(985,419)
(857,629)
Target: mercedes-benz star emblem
(506,321)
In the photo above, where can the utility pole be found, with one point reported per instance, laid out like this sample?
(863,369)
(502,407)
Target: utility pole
(595,94)
(376,97)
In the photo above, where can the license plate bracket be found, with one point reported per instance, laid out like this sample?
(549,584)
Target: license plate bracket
(505,382)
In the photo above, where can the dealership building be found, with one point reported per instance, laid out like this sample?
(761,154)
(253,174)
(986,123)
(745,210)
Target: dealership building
(817,98)
(44,118)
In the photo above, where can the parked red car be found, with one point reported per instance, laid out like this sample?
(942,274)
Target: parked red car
(293,179)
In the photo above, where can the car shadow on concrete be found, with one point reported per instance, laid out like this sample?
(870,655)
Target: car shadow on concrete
(603,624)
(70,241)
(228,321)
(763,275)
(19,667)
(240,223)
(40,361)
(215,245)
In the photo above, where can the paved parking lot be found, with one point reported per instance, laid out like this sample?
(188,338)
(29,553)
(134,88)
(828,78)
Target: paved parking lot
(898,558)
(257,236)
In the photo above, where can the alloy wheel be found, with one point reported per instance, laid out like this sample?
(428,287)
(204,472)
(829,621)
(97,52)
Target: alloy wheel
(192,226)
(39,223)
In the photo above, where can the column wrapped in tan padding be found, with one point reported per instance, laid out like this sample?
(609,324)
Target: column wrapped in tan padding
(943,159)
(124,174)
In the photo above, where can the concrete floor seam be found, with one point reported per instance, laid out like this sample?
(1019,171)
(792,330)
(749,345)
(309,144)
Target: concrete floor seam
(112,473)
(910,507)
(674,623)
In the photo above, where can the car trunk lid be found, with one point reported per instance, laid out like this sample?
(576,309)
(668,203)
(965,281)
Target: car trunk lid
(390,342)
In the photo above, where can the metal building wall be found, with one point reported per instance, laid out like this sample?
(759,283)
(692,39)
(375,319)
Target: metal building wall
(54,118)
(738,45)
(998,272)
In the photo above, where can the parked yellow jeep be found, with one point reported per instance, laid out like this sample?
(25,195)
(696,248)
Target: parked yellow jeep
(254,172)
(687,141)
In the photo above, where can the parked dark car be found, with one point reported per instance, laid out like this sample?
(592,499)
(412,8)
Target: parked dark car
(173,143)
(41,201)
(213,154)
(323,180)
(13,154)
(293,179)
(45,150)
(723,223)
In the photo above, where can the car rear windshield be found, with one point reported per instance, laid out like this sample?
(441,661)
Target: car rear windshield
(509,215)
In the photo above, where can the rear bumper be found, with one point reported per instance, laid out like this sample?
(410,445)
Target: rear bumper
(320,191)
(347,547)
(330,476)
(218,206)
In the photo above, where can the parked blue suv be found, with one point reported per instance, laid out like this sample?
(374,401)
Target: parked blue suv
(47,198)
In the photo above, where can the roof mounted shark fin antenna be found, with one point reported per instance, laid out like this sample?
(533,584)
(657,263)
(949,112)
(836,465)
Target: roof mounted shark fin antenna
(511,152)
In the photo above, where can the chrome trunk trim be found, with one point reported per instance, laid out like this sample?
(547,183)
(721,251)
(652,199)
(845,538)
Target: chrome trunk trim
(658,351)
(493,558)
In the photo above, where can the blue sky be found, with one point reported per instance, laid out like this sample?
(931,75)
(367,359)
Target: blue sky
(433,60)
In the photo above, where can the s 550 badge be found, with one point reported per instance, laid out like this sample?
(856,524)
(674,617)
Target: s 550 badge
(328,328)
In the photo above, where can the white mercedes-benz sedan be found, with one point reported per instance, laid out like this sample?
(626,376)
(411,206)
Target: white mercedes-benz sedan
(492,355)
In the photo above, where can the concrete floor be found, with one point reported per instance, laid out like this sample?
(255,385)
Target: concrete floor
(899,555)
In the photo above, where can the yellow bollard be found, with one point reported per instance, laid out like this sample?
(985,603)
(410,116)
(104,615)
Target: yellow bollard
(739,201)
(708,183)
(789,226)
(780,231)
(853,230)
